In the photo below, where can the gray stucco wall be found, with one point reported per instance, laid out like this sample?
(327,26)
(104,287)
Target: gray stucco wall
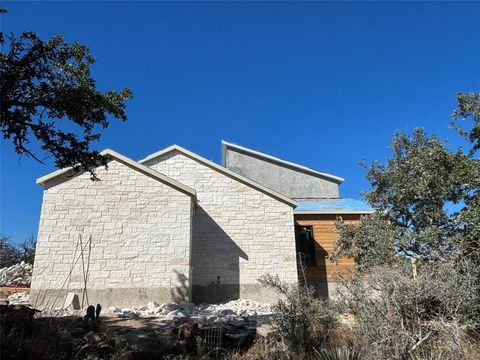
(287,181)
(239,233)
(140,231)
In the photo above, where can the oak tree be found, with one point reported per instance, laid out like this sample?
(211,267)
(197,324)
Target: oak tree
(416,195)
(468,108)
(48,96)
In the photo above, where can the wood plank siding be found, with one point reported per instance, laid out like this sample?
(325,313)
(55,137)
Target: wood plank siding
(325,235)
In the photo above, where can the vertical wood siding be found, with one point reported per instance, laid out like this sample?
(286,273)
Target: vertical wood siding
(325,235)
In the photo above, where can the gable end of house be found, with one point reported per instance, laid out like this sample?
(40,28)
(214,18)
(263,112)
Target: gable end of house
(62,175)
(224,171)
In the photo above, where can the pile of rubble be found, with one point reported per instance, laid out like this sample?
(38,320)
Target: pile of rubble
(19,298)
(232,312)
(237,310)
(16,275)
(231,325)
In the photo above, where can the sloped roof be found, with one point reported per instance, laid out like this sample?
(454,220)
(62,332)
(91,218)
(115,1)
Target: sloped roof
(278,161)
(333,206)
(131,164)
(222,170)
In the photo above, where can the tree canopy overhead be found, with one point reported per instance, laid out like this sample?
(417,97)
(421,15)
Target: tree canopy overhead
(426,197)
(469,108)
(49,95)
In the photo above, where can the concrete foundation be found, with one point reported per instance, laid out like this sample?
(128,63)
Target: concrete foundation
(226,292)
(128,297)
(122,297)
(326,290)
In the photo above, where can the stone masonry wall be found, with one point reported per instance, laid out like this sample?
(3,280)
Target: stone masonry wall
(239,233)
(140,231)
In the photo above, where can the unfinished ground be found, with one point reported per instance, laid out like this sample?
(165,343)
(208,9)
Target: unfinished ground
(146,332)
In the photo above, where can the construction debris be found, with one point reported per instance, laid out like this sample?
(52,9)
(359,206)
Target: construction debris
(19,298)
(237,310)
(16,275)
(232,323)
(71,300)
(147,330)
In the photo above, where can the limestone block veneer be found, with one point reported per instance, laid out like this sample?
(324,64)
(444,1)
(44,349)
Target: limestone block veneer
(136,238)
(239,233)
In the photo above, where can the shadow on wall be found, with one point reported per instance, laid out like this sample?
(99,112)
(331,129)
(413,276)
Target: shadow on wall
(321,287)
(181,293)
(315,276)
(216,261)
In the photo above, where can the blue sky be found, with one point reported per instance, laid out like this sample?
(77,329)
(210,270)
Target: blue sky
(322,84)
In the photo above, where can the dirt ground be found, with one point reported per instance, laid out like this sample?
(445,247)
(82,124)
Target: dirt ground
(5,292)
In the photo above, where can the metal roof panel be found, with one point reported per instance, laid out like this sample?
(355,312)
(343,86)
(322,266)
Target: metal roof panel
(332,206)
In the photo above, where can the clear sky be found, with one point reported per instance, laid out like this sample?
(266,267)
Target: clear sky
(322,84)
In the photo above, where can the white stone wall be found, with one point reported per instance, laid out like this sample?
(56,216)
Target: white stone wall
(140,231)
(239,233)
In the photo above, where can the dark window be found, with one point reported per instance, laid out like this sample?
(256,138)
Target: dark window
(305,245)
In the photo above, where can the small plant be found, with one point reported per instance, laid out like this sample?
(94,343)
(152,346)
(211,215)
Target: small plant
(429,354)
(336,354)
(302,320)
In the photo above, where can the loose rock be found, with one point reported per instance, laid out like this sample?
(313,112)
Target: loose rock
(16,275)
(19,298)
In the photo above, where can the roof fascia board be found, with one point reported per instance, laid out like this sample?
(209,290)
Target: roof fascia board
(222,170)
(289,164)
(133,165)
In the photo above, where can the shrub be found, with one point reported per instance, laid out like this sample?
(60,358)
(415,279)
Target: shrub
(399,316)
(302,320)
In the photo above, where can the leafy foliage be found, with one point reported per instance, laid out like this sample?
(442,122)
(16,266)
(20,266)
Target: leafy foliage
(415,185)
(469,217)
(369,243)
(427,202)
(469,107)
(48,94)
(469,221)
(413,191)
